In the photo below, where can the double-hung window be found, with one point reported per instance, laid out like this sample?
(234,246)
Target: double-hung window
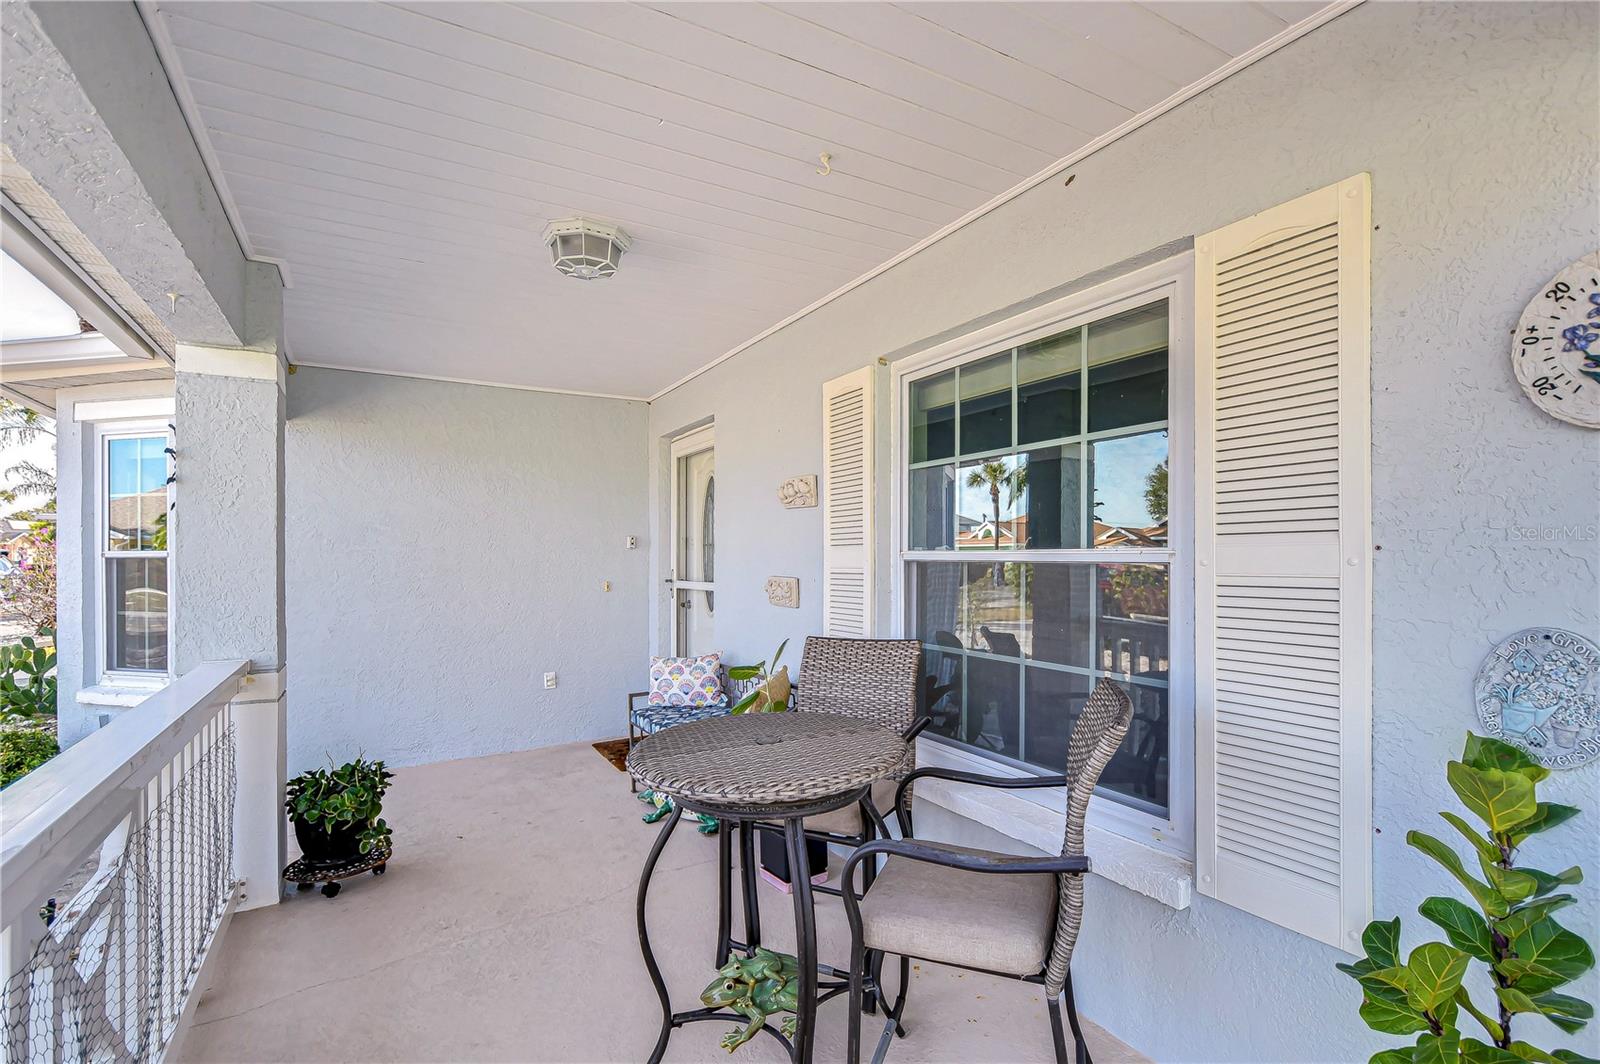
(134,510)
(1039,551)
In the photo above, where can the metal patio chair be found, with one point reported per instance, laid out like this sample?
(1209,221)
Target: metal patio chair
(988,912)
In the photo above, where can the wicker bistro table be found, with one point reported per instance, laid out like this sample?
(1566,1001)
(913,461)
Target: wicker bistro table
(774,767)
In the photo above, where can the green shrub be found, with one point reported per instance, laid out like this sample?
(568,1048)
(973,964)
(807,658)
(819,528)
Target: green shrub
(23,748)
(27,687)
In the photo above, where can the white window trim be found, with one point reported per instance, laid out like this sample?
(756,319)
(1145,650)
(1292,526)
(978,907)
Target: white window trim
(694,441)
(1158,861)
(120,684)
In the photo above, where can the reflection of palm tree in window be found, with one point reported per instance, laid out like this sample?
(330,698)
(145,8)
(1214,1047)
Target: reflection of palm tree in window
(994,476)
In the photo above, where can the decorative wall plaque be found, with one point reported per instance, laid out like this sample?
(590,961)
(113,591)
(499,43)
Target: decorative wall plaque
(797,493)
(1540,690)
(784,591)
(1556,350)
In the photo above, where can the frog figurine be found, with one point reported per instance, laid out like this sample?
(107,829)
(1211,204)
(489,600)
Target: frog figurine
(662,808)
(755,987)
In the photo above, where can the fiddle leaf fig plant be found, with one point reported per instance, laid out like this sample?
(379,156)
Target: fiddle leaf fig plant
(761,698)
(350,795)
(1509,928)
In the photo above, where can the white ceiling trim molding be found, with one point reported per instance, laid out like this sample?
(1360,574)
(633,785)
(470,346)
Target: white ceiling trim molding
(124,409)
(52,351)
(468,380)
(1222,73)
(248,363)
(69,276)
(167,53)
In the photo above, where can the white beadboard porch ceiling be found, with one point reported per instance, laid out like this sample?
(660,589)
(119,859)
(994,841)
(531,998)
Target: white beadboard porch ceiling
(403,158)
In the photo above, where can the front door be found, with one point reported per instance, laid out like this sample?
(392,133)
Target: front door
(694,495)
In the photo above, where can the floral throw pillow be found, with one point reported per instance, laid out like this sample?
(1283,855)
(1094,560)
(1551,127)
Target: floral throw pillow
(686,681)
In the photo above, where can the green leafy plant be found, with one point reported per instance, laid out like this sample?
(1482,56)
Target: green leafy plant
(760,674)
(334,799)
(1511,930)
(1140,589)
(24,746)
(27,683)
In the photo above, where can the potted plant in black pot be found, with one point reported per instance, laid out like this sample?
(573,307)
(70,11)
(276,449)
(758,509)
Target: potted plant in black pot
(336,813)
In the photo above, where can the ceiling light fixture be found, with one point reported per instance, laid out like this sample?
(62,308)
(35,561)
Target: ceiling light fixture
(584,249)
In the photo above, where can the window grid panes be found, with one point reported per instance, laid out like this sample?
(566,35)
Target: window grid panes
(985,429)
(1013,648)
(1014,642)
(135,509)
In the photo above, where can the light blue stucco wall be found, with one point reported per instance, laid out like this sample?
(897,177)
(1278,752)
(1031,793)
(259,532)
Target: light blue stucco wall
(227,530)
(1479,125)
(446,547)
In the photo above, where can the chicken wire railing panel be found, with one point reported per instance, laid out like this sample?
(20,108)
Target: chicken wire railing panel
(116,961)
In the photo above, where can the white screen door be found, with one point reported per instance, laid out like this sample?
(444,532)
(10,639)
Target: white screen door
(694,499)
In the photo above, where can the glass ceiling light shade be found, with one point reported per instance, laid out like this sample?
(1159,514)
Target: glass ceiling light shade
(584,249)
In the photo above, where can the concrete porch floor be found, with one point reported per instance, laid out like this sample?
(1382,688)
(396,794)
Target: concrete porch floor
(504,931)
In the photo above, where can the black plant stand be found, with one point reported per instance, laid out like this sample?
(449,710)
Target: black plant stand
(775,857)
(305,875)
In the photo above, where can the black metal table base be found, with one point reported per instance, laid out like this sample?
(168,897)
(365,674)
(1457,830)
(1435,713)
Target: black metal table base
(809,994)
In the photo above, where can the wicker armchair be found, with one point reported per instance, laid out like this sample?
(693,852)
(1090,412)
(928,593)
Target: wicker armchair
(990,912)
(876,680)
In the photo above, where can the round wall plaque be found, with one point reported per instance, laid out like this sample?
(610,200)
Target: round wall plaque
(1540,690)
(1556,351)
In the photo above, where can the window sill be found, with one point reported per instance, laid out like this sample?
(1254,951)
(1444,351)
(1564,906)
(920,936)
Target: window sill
(119,696)
(1147,870)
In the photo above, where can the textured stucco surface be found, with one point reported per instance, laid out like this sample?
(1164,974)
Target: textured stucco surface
(88,111)
(227,546)
(1478,123)
(447,546)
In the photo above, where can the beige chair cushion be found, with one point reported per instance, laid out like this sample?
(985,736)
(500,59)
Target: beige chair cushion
(847,821)
(998,922)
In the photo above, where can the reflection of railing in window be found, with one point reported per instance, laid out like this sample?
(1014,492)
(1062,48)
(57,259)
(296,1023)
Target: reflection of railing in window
(1133,647)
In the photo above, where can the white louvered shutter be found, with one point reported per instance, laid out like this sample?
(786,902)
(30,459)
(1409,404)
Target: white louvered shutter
(847,589)
(1283,551)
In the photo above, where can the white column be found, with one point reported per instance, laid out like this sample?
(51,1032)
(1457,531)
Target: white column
(227,572)
(260,846)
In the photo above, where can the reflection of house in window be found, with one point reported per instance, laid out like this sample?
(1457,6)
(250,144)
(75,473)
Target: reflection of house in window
(1120,536)
(980,533)
(137,521)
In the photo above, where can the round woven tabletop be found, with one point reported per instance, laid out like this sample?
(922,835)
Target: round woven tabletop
(775,759)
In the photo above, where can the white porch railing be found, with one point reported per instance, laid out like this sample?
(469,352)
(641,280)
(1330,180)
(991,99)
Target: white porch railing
(117,877)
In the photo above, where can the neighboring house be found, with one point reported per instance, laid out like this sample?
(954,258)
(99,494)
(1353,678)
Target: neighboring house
(1122,536)
(17,537)
(981,534)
